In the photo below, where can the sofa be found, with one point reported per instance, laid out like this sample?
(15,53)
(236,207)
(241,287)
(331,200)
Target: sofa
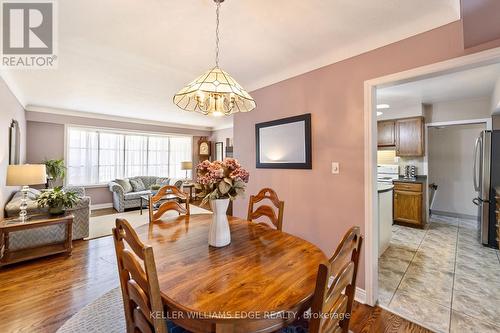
(50,234)
(127,192)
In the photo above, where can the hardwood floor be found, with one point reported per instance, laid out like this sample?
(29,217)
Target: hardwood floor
(40,295)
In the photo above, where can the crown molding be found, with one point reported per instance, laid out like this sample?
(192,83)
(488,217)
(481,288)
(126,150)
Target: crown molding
(91,115)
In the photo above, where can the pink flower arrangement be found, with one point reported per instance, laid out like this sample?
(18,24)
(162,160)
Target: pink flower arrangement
(221,179)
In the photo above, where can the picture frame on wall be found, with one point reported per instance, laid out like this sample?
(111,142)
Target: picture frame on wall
(284,143)
(219,151)
(14,143)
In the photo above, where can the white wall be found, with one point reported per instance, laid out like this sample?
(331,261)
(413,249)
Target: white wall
(450,167)
(474,108)
(220,136)
(10,109)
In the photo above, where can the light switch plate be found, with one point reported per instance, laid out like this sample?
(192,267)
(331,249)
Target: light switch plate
(335,168)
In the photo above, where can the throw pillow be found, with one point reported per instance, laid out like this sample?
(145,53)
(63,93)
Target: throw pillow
(125,183)
(137,184)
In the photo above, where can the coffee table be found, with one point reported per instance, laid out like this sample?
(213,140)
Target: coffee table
(35,221)
(145,200)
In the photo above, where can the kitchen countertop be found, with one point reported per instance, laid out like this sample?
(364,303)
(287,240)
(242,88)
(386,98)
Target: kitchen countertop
(420,179)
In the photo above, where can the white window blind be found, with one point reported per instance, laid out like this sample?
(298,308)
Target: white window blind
(96,156)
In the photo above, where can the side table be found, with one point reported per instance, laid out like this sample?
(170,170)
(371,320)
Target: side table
(35,221)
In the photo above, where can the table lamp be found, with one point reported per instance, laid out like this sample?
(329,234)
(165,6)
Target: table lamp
(188,165)
(25,175)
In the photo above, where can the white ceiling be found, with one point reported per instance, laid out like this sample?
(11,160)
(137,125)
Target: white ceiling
(128,57)
(471,83)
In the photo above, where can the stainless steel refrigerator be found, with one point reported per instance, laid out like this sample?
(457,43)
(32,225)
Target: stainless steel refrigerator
(486,178)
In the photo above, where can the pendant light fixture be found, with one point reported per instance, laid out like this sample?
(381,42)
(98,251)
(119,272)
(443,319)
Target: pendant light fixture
(215,92)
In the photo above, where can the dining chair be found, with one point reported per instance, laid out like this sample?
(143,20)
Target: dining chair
(171,204)
(266,210)
(335,286)
(139,283)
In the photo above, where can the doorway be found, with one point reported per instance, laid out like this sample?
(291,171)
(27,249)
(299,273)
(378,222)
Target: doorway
(440,315)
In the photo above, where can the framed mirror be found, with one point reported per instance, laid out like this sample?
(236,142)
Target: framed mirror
(14,143)
(284,143)
(219,151)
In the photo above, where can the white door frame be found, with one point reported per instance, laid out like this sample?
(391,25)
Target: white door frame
(370,147)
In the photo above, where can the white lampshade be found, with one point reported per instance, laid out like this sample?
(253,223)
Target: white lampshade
(186,165)
(26,174)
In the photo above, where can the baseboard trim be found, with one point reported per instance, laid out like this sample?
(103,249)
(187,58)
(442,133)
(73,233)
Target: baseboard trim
(101,206)
(452,214)
(360,295)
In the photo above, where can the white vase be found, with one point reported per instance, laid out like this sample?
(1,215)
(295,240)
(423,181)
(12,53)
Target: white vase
(219,234)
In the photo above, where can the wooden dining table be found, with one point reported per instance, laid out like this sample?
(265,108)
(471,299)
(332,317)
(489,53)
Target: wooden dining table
(260,282)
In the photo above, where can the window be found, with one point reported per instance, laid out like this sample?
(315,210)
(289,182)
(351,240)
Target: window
(97,156)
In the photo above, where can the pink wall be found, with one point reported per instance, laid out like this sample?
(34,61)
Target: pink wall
(481,21)
(319,206)
(45,139)
(10,109)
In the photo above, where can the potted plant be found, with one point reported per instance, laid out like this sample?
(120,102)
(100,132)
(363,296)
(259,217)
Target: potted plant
(57,200)
(219,182)
(55,170)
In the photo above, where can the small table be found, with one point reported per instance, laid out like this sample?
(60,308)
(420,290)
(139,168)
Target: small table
(191,188)
(35,221)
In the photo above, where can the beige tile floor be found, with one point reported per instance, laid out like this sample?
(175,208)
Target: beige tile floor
(442,277)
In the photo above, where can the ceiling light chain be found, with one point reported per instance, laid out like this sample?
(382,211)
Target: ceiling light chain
(217,22)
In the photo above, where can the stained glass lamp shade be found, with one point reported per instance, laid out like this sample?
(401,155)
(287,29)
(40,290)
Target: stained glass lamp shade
(214,92)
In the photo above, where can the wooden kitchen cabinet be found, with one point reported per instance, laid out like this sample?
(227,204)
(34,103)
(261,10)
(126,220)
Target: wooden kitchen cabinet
(410,137)
(386,133)
(406,135)
(408,208)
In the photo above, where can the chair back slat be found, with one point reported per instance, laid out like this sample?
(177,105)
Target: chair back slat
(335,286)
(155,215)
(140,288)
(334,293)
(134,269)
(168,189)
(266,210)
(139,297)
(141,323)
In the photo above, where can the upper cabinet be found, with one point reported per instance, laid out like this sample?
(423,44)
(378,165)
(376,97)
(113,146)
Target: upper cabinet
(406,135)
(386,133)
(410,137)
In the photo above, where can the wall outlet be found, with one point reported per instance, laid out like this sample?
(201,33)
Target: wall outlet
(335,168)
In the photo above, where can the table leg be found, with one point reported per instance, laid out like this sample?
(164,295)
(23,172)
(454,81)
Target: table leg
(6,244)
(69,230)
(141,205)
(2,244)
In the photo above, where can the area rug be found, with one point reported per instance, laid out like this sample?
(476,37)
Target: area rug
(105,315)
(100,226)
